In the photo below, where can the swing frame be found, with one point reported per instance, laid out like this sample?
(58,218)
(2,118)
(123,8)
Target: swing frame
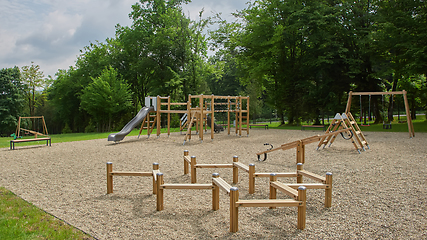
(44,133)
(405,98)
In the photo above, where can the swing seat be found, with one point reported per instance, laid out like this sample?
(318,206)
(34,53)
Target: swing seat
(386,125)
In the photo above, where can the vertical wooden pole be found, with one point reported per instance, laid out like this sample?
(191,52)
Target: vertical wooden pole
(328,190)
(347,109)
(215,194)
(247,116)
(240,116)
(193,169)
(185,162)
(408,116)
(109,177)
(302,207)
(212,116)
(299,168)
(251,178)
(228,114)
(201,117)
(189,117)
(159,192)
(155,167)
(273,191)
(234,209)
(158,115)
(18,128)
(169,116)
(235,170)
(300,152)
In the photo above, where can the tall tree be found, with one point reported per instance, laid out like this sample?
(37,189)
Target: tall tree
(11,99)
(33,80)
(107,97)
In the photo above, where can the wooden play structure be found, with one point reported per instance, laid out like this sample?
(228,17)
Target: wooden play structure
(385,125)
(200,109)
(33,132)
(299,145)
(344,121)
(320,182)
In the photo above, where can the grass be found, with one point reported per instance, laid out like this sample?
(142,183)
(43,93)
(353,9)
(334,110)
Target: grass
(420,125)
(21,220)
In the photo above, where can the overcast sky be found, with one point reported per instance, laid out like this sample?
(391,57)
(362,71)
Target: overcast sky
(52,32)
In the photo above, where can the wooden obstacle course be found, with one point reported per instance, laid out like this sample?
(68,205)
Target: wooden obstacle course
(161,186)
(190,162)
(235,204)
(111,173)
(320,182)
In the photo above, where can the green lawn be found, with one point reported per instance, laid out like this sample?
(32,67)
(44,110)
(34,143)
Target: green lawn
(21,220)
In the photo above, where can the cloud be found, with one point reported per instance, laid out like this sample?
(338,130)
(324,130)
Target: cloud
(52,32)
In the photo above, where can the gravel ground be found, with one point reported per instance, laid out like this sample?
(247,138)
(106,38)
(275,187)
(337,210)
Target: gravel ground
(378,194)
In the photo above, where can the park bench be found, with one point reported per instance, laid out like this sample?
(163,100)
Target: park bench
(323,127)
(12,142)
(258,125)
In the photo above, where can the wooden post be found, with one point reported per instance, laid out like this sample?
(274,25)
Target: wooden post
(169,116)
(273,191)
(193,169)
(251,178)
(300,152)
(240,116)
(347,109)
(201,117)
(408,116)
(109,177)
(155,167)
(302,207)
(299,168)
(159,192)
(228,114)
(212,117)
(158,115)
(185,162)
(247,115)
(234,209)
(215,194)
(328,190)
(235,171)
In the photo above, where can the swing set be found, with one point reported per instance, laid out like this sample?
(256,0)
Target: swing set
(386,125)
(34,132)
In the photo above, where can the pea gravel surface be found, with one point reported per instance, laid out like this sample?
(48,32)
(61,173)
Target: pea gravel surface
(380,193)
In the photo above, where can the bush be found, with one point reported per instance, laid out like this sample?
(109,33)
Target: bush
(66,129)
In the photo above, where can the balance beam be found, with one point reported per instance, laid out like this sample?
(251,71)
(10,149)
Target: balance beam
(110,175)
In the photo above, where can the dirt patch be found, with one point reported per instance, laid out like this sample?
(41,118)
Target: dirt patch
(380,193)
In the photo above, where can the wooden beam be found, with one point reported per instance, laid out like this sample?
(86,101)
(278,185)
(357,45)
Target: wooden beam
(268,203)
(312,176)
(186,186)
(285,189)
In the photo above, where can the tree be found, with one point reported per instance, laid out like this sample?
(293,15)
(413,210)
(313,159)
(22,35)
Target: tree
(106,97)
(11,99)
(33,80)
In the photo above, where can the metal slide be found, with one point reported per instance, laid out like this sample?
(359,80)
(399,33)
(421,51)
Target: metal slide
(130,125)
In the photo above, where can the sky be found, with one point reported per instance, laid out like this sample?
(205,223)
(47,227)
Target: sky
(51,33)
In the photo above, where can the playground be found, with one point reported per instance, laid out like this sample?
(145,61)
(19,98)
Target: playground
(379,193)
